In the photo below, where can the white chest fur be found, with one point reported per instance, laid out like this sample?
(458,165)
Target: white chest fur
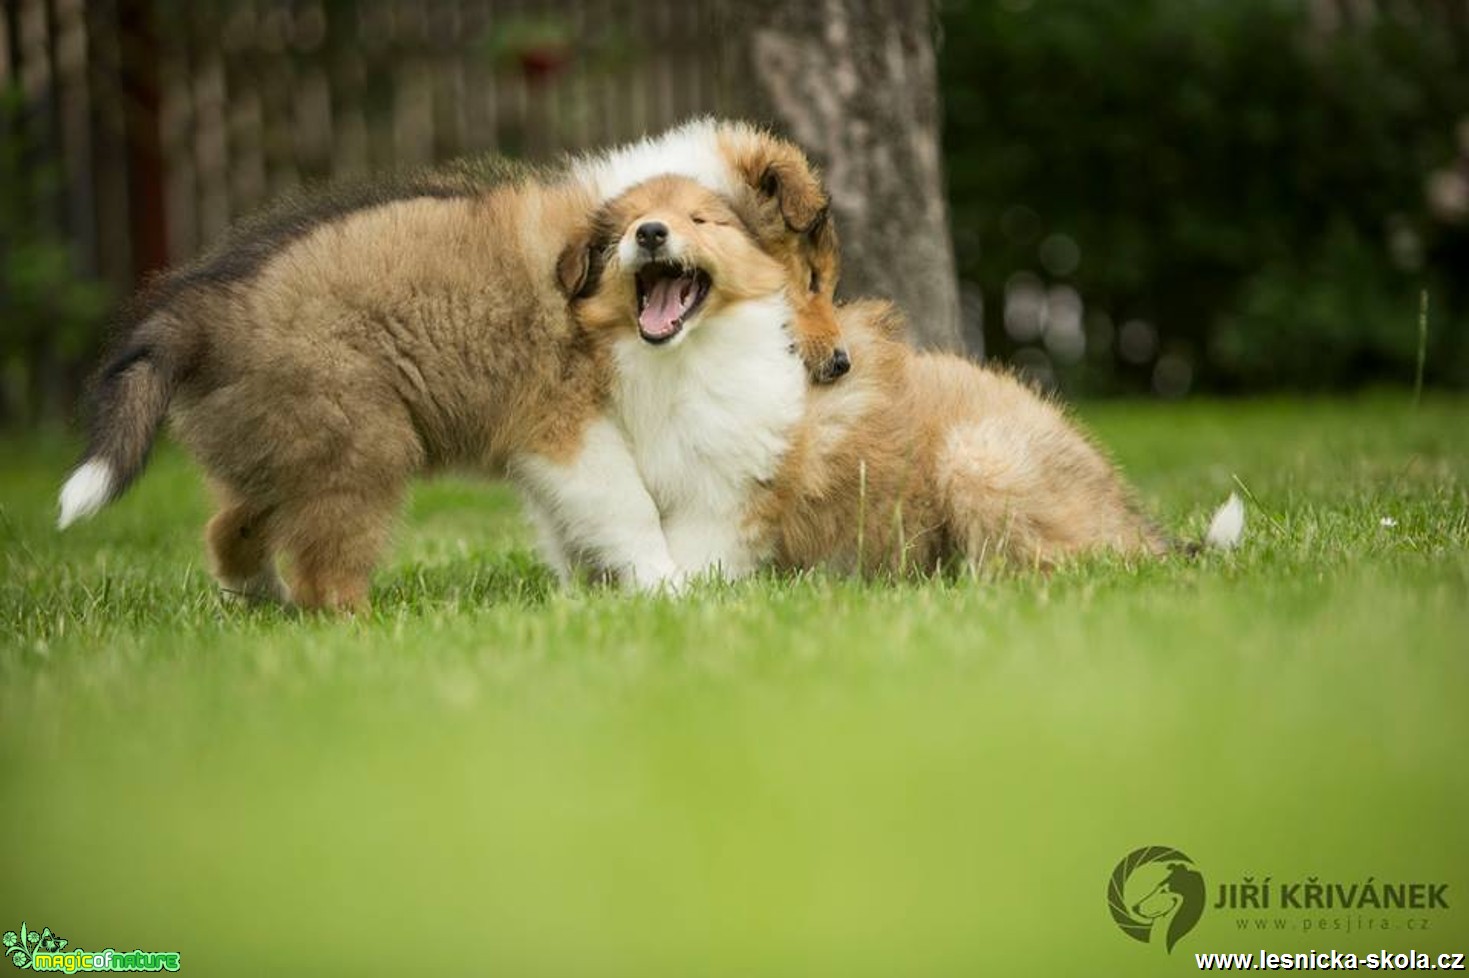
(707,418)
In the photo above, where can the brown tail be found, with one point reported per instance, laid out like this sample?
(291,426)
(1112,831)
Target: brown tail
(128,407)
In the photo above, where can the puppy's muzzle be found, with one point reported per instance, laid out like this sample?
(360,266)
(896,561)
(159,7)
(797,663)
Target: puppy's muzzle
(652,236)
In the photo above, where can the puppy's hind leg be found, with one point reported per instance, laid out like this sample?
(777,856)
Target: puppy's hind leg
(986,483)
(241,556)
(334,542)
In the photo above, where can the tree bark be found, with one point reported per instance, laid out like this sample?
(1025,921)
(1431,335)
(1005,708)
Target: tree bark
(854,82)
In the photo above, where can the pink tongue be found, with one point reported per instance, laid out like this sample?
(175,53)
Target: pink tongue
(666,303)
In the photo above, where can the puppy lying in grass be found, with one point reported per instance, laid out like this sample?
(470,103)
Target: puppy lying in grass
(925,461)
(324,355)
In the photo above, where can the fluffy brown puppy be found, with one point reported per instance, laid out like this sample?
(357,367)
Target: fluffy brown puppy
(921,461)
(324,355)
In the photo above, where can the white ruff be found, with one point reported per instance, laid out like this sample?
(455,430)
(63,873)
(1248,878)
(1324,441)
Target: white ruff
(691,150)
(87,491)
(707,418)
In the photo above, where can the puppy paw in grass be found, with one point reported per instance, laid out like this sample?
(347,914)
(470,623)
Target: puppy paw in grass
(826,361)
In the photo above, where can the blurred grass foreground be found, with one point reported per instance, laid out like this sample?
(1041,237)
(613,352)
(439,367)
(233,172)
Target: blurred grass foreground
(804,777)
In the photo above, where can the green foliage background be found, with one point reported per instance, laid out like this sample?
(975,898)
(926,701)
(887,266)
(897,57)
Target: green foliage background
(48,312)
(1252,186)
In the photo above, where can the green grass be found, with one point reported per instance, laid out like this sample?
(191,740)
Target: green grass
(802,777)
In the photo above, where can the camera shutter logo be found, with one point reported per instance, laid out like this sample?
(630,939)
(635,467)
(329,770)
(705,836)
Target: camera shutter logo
(1171,907)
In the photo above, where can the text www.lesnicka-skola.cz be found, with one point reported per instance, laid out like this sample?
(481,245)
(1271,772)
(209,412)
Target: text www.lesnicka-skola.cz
(1331,961)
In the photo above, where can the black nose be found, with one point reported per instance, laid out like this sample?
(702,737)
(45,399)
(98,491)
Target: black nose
(652,235)
(836,367)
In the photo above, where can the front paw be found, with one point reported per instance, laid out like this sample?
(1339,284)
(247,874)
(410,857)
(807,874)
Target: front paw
(836,367)
(825,362)
(655,578)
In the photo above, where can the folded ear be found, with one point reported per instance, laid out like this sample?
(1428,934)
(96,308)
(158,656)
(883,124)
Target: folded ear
(778,171)
(793,184)
(577,269)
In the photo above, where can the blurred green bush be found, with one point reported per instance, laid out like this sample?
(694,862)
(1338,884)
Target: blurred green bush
(50,316)
(1238,198)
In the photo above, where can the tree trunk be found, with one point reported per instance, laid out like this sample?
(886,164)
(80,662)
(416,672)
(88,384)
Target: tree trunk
(855,83)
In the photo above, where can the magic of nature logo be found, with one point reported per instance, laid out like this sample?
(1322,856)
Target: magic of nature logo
(43,950)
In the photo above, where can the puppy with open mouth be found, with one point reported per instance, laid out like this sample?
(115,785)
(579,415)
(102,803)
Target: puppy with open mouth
(781,199)
(669,294)
(705,382)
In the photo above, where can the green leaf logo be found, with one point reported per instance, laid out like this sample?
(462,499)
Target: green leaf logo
(21,947)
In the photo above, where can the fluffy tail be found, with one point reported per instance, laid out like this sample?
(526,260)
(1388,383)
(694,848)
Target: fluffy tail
(1227,527)
(129,405)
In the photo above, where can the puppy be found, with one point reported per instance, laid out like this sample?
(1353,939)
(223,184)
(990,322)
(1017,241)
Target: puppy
(783,203)
(925,461)
(697,319)
(324,355)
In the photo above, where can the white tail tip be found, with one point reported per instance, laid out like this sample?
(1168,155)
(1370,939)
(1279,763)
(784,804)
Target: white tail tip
(1227,527)
(87,491)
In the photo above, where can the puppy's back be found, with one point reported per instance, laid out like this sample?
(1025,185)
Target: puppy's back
(1018,477)
(916,459)
(411,309)
(850,493)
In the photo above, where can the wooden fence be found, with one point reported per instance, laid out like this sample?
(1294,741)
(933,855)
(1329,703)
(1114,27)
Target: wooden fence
(169,119)
(166,119)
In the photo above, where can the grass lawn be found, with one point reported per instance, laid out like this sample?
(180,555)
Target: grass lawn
(812,777)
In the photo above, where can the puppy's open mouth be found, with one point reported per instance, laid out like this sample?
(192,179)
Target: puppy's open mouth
(669,295)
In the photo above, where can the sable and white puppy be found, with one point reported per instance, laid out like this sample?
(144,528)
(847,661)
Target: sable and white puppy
(788,212)
(923,461)
(705,384)
(325,354)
